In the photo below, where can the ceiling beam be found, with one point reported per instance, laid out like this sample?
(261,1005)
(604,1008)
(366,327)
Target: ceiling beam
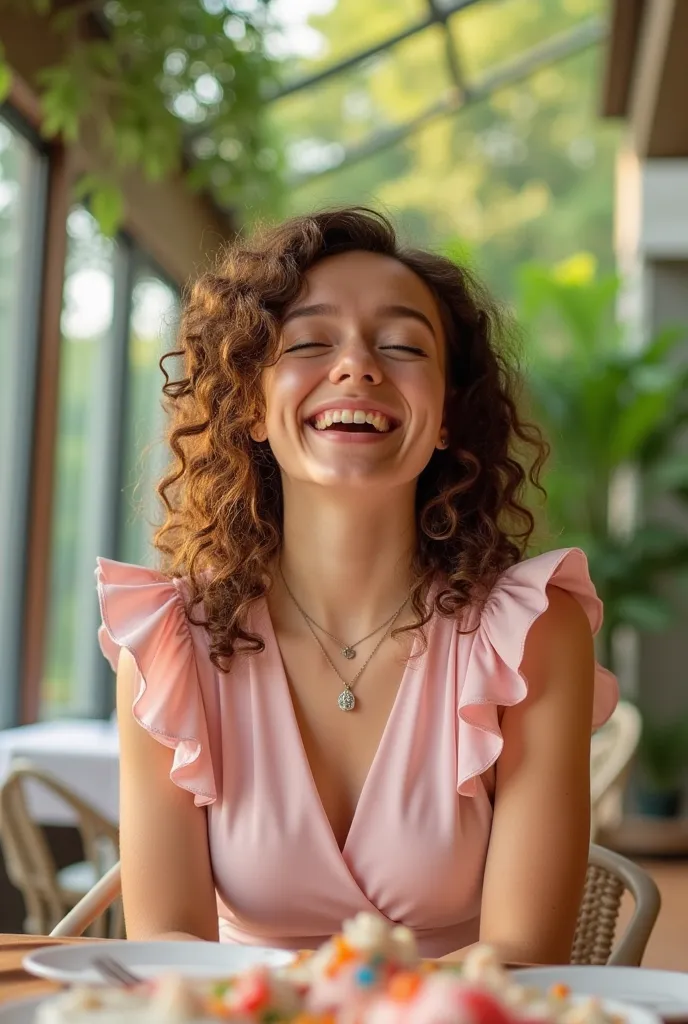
(659,87)
(624,30)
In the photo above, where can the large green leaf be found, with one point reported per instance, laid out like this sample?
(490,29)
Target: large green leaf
(585,309)
(636,422)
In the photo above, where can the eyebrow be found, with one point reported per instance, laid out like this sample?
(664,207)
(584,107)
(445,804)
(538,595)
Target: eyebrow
(397,311)
(320,309)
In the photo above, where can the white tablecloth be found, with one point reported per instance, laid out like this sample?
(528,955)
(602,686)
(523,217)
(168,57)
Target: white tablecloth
(83,755)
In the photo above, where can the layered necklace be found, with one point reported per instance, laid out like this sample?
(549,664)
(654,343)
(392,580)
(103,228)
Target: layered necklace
(346,699)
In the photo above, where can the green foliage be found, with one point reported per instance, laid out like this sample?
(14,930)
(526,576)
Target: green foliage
(105,201)
(663,752)
(612,414)
(160,83)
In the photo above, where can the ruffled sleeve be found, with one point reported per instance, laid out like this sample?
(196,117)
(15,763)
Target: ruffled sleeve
(143,611)
(493,677)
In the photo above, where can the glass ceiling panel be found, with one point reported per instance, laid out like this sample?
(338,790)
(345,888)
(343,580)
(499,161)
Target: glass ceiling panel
(493,32)
(318,124)
(348,32)
(515,178)
(312,35)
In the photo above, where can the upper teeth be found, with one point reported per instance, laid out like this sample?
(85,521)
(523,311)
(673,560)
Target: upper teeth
(325,419)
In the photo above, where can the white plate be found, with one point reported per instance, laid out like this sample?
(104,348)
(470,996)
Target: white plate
(23,1011)
(663,992)
(628,1013)
(72,964)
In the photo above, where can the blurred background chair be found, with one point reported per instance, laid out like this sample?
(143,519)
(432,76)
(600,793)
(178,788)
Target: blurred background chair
(611,755)
(48,892)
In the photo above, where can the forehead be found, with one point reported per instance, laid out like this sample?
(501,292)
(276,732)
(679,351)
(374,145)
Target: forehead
(362,281)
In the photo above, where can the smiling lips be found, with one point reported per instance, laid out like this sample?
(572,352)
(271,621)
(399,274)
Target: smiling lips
(353,421)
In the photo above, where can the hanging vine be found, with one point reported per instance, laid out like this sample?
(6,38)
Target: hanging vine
(166,87)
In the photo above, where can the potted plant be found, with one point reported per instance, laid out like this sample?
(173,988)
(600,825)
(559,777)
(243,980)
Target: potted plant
(663,759)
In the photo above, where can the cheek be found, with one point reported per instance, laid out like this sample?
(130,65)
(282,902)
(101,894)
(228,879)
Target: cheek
(285,387)
(425,394)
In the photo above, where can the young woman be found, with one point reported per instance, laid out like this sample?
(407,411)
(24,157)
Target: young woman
(355,691)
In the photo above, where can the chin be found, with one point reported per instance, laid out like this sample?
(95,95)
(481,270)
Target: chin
(364,480)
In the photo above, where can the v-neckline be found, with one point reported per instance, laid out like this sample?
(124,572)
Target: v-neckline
(273,649)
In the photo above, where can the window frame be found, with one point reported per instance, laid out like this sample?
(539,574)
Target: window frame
(103,524)
(15,513)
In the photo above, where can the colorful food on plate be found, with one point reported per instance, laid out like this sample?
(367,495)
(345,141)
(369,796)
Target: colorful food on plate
(369,974)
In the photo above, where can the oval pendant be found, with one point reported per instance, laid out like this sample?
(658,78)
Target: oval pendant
(349,653)
(346,700)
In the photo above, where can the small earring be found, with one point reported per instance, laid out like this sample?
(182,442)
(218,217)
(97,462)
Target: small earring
(443,441)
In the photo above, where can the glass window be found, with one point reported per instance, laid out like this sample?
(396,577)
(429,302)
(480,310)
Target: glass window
(22,195)
(154,311)
(87,322)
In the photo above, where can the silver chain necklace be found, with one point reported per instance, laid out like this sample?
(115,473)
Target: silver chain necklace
(347,651)
(346,699)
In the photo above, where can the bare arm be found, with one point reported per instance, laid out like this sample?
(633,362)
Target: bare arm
(167,883)
(539,843)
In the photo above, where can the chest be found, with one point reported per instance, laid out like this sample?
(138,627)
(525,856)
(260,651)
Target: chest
(323,813)
(342,747)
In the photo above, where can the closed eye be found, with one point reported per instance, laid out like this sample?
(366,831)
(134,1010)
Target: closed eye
(301,346)
(404,348)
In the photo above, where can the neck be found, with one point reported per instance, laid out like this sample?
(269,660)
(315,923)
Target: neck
(348,562)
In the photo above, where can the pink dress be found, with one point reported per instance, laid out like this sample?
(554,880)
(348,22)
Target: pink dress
(417,846)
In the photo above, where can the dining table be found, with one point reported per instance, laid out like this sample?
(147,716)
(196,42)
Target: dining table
(15,982)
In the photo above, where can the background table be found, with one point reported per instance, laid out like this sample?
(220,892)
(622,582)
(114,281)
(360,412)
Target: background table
(83,754)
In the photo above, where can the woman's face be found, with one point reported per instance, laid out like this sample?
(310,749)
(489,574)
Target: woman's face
(356,395)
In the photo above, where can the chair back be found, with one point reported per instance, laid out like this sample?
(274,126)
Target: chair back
(611,753)
(29,861)
(609,876)
(93,905)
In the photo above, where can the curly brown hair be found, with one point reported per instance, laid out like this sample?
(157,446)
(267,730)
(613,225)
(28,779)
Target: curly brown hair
(223,497)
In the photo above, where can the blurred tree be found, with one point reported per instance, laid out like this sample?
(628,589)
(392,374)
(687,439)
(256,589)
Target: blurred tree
(162,84)
(524,174)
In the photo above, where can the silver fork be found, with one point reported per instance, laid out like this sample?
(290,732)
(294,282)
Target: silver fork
(112,970)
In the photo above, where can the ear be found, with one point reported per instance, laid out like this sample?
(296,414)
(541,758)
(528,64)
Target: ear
(259,432)
(443,439)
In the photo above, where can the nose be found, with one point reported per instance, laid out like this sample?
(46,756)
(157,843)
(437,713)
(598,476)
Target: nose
(355,363)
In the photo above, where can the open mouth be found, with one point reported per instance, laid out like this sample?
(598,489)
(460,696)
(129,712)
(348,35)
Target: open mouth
(353,421)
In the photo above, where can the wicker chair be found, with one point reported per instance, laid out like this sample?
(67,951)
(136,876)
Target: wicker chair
(609,876)
(48,892)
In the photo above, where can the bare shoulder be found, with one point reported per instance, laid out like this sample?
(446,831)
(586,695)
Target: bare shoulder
(560,644)
(563,625)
